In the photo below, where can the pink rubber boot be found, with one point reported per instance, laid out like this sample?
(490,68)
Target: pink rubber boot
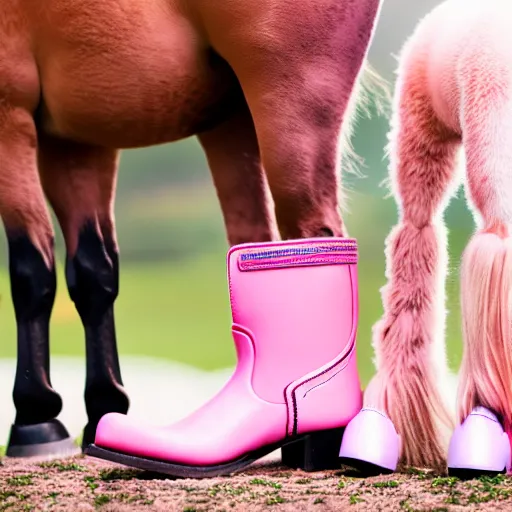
(296,385)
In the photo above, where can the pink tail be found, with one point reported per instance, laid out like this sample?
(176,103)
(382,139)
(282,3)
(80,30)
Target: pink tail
(486,297)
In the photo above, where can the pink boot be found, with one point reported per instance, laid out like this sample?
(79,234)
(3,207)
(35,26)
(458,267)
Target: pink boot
(296,385)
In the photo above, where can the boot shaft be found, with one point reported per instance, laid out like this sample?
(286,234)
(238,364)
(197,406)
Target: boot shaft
(298,301)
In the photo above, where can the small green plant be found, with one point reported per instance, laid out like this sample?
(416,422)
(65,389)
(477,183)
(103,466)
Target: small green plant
(4,495)
(227,489)
(91,483)
(101,499)
(354,499)
(420,474)
(453,499)
(73,466)
(445,481)
(189,489)
(275,500)
(493,480)
(405,505)
(268,483)
(21,480)
(388,484)
(53,497)
(109,475)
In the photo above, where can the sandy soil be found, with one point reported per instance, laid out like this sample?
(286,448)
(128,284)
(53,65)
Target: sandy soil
(82,484)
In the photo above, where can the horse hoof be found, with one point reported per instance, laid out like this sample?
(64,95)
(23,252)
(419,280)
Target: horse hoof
(370,443)
(479,446)
(49,440)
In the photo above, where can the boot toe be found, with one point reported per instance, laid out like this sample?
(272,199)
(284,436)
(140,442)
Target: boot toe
(116,432)
(134,437)
(479,445)
(371,443)
(203,439)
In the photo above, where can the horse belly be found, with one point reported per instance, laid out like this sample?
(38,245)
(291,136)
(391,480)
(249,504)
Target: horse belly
(154,87)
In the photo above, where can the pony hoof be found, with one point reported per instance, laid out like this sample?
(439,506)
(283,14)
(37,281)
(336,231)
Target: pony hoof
(49,440)
(371,443)
(479,446)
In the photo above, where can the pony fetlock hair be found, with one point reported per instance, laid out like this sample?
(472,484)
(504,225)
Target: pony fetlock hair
(409,343)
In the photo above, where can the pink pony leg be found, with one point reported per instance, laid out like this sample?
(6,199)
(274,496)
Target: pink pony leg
(409,339)
(480,443)
(486,276)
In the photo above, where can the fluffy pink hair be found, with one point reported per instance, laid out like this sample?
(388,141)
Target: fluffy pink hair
(454,90)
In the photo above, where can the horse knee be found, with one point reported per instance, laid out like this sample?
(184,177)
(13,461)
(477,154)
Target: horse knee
(92,274)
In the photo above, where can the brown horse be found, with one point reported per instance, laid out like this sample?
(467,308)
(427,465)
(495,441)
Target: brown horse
(265,86)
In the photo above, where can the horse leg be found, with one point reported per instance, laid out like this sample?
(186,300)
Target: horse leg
(79,182)
(302,167)
(31,266)
(298,89)
(409,339)
(486,272)
(234,158)
(298,83)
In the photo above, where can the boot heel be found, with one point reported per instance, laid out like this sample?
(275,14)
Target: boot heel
(317,451)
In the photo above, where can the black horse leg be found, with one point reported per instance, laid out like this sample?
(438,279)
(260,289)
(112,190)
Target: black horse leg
(79,181)
(93,280)
(36,431)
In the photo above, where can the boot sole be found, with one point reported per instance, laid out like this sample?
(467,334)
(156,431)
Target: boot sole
(316,451)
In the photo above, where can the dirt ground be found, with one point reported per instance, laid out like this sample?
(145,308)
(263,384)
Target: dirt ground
(82,484)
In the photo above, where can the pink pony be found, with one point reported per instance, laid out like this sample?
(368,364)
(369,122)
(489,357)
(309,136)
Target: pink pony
(454,92)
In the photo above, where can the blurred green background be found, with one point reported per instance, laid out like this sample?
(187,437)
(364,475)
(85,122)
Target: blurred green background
(173,301)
